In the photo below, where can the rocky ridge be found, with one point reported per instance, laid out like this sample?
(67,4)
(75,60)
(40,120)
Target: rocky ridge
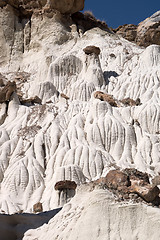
(146,33)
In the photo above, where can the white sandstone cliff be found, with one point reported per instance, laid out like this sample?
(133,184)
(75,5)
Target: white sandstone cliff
(80,138)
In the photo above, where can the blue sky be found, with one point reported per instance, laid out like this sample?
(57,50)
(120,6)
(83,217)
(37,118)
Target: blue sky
(116,13)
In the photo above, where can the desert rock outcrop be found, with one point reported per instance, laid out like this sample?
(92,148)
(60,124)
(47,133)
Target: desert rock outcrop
(146,33)
(28,7)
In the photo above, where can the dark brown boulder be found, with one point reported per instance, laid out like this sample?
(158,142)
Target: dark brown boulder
(7,91)
(148,192)
(37,207)
(116,179)
(131,102)
(66,184)
(92,49)
(105,97)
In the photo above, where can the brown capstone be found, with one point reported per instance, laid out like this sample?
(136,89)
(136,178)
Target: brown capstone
(92,49)
(105,97)
(66,184)
(37,207)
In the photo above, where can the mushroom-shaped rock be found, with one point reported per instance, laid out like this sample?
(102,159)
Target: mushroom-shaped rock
(105,97)
(66,184)
(37,207)
(92,49)
(116,179)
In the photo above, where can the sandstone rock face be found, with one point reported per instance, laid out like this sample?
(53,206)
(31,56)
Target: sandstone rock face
(116,221)
(127,31)
(148,31)
(87,22)
(76,138)
(28,7)
(79,139)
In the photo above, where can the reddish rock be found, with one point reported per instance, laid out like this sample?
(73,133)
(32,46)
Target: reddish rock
(105,97)
(116,179)
(66,184)
(147,192)
(37,207)
(92,49)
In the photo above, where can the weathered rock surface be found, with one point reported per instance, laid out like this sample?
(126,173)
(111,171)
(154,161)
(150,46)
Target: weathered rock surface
(28,7)
(72,138)
(93,213)
(82,138)
(116,179)
(127,31)
(61,185)
(146,33)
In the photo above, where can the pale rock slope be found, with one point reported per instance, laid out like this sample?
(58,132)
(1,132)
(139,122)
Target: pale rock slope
(97,216)
(80,138)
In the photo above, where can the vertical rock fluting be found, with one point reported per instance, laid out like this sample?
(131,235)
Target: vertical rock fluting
(52,127)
